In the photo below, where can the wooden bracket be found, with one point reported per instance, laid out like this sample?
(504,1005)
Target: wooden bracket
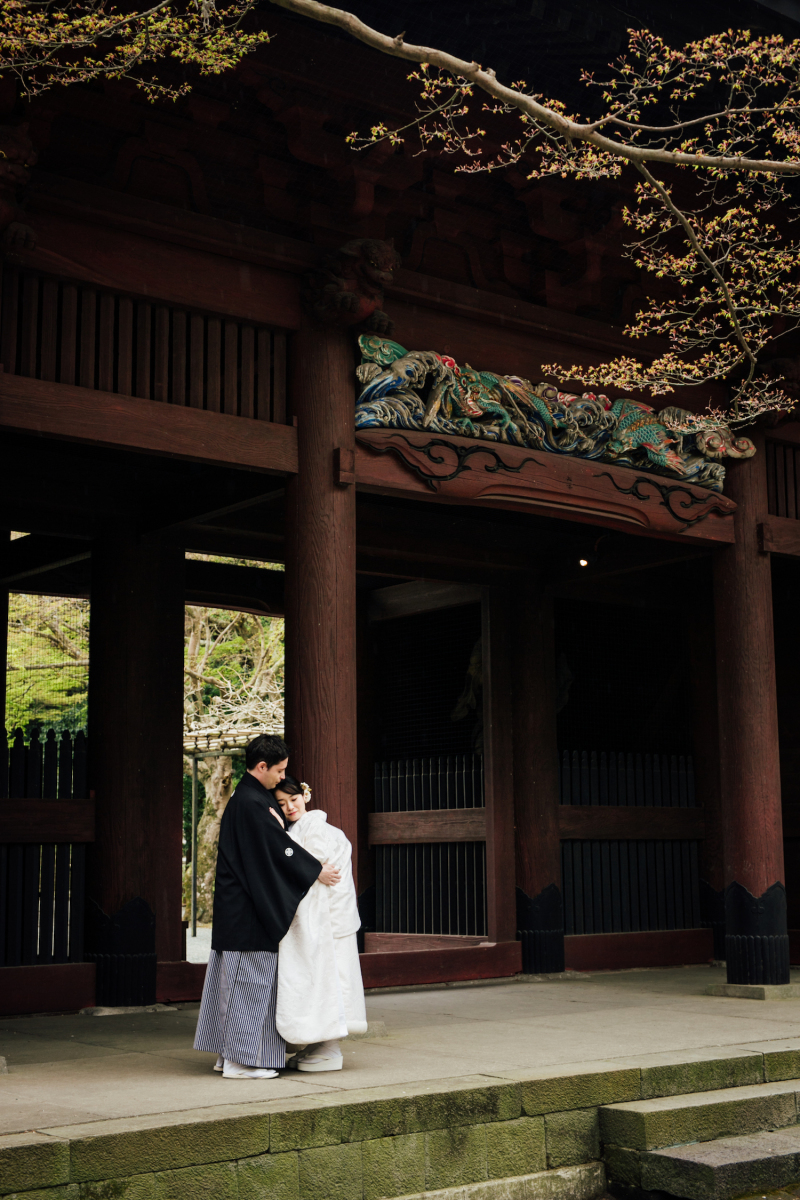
(344,466)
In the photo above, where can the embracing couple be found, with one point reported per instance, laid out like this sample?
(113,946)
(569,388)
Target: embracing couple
(284,961)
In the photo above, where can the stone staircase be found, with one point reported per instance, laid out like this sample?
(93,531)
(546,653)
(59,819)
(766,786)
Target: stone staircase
(713,1145)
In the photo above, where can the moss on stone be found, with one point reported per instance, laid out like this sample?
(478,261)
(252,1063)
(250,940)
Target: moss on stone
(515,1147)
(365,1121)
(561,1089)
(393,1166)
(211,1181)
(273,1175)
(300,1128)
(32,1160)
(331,1173)
(454,1156)
(469,1106)
(134,1187)
(703,1075)
(623,1166)
(572,1137)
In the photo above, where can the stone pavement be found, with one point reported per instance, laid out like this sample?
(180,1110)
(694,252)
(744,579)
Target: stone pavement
(68,1069)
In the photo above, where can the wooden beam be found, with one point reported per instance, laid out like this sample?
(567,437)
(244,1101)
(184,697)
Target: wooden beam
(444,825)
(492,961)
(621,823)
(221,584)
(459,470)
(58,410)
(623,951)
(32,821)
(36,554)
(408,599)
(779,535)
(57,987)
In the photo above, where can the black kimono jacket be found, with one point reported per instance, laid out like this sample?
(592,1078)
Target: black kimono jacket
(262,874)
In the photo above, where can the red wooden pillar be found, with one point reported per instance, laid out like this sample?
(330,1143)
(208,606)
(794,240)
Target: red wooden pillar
(321,575)
(498,668)
(135,764)
(540,910)
(757,944)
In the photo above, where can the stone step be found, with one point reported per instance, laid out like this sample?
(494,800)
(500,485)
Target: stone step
(725,1168)
(700,1116)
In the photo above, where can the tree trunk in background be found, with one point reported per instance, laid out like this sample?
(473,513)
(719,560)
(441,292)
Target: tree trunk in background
(216,775)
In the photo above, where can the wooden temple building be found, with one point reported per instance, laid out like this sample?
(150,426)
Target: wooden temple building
(547,688)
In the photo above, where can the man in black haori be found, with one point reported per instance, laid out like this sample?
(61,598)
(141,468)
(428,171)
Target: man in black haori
(262,875)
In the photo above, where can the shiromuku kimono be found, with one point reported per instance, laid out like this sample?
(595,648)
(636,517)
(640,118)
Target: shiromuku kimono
(320,993)
(262,876)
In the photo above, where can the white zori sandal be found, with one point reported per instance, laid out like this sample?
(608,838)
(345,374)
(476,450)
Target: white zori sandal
(219,1064)
(323,1056)
(233,1070)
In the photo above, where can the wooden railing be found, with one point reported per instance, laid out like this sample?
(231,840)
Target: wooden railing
(45,823)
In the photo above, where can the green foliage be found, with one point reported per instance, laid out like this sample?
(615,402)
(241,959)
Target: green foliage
(47,662)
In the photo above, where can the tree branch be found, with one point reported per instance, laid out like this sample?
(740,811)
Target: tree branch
(487,81)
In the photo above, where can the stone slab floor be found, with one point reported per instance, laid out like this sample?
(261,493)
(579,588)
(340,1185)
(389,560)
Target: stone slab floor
(68,1069)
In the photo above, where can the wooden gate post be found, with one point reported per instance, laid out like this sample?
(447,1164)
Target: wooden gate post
(321,574)
(498,668)
(135,764)
(540,907)
(757,943)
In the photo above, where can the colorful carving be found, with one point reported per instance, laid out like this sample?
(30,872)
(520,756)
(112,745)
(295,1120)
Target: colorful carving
(421,389)
(348,287)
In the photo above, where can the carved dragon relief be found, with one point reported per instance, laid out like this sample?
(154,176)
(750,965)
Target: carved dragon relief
(426,391)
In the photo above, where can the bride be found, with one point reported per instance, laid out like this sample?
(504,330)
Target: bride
(320,992)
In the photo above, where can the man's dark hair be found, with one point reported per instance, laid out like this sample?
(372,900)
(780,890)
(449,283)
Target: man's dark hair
(265,748)
(290,786)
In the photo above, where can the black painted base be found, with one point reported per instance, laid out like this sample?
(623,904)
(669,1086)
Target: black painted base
(124,979)
(757,940)
(124,948)
(540,928)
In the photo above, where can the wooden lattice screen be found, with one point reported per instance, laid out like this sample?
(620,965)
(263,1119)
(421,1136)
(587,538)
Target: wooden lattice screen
(67,332)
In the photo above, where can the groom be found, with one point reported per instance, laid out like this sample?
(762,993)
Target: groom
(262,875)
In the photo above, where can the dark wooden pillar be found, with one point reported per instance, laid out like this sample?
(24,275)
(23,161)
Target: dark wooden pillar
(757,943)
(705,741)
(135,764)
(321,575)
(540,910)
(498,668)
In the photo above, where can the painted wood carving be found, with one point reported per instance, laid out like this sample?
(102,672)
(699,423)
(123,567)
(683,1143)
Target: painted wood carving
(348,287)
(423,390)
(462,471)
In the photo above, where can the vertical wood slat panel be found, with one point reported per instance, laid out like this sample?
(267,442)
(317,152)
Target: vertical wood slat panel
(791,484)
(105,344)
(88,330)
(213,380)
(772,505)
(178,358)
(8,347)
(197,362)
(279,378)
(125,350)
(47,369)
(247,406)
(29,326)
(143,350)
(69,333)
(264,342)
(231,397)
(47,904)
(780,481)
(161,355)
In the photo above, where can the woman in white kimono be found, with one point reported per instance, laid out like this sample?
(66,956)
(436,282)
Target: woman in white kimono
(320,992)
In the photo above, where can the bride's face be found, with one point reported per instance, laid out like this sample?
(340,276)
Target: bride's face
(292,807)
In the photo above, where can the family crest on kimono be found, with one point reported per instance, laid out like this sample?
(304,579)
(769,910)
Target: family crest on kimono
(279,889)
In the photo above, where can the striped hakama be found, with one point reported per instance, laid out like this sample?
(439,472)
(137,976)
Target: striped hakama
(237,1012)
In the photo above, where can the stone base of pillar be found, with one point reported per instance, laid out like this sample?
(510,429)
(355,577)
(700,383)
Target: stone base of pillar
(540,928)
(757,940)
(123,948)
